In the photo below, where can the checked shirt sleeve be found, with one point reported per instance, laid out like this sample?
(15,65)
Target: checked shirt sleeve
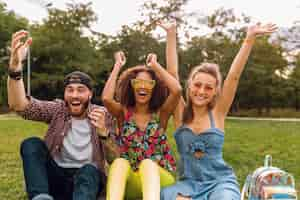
(38,110)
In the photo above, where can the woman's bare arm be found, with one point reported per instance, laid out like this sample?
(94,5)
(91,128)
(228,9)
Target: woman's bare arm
(173,85)
(231,82)
(114,107)
(172,66)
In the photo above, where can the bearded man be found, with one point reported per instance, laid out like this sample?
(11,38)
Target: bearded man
(69,162)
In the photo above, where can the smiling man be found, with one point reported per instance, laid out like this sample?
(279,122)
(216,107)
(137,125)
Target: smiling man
(69,163)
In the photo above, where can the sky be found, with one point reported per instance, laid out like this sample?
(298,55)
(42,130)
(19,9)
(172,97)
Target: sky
(112,14)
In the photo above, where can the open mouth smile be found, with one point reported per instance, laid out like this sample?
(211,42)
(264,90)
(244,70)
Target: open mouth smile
(142,93)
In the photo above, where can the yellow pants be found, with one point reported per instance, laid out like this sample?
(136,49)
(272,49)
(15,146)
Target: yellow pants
(146,182)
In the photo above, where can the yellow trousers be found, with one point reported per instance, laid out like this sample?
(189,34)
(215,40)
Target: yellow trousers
(146,182)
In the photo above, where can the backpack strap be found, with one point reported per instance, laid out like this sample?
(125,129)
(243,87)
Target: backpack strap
(268,161)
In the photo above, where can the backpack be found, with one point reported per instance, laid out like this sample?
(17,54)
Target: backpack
(269,183)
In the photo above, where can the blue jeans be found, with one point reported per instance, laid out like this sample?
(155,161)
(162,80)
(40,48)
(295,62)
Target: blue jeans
(44,176)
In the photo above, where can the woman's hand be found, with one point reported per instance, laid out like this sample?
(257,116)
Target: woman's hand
(151,60)
(167,26)
(258,29)
(120,59)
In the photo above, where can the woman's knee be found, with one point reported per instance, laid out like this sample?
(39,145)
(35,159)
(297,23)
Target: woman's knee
(119,168)
(120,163)
(148,163)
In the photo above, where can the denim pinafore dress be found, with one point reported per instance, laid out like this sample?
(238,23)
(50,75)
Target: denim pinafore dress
(203,174)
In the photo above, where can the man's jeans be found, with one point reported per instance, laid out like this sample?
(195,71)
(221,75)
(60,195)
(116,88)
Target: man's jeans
(44,176)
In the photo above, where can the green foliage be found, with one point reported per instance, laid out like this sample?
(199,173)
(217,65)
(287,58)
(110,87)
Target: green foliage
(153,11)
(9,23)
(295,84)
(60,46)
(260,86)
(65,42)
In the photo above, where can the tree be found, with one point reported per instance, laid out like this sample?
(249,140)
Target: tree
(9,23)
(61,46)
(135,44)
(295,82)
(261,84)
(154,11)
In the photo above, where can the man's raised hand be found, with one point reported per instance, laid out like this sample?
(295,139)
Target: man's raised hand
(18,50)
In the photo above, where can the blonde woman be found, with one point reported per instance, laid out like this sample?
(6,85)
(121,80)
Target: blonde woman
(200,122)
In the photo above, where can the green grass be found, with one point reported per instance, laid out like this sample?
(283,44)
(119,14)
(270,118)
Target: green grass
(274,113)
(246,144)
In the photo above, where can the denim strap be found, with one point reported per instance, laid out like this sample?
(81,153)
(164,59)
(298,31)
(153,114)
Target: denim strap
(211,119)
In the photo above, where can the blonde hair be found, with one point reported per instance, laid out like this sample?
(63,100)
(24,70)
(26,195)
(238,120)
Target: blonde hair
(208,68)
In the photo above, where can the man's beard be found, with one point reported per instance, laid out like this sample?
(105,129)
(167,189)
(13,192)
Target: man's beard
(82,111)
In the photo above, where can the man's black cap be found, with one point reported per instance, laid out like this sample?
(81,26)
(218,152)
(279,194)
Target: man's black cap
(78,77)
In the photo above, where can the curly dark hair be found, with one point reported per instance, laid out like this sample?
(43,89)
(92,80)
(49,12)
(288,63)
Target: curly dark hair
(125,92)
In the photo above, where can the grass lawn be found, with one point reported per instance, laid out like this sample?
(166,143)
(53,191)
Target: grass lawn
(246,144)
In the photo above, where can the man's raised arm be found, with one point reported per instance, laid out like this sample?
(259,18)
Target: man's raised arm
(15,86)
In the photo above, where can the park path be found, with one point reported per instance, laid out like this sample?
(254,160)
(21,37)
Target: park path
(11,116)
(265,119)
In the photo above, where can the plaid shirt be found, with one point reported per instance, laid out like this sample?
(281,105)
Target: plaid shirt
(56,115)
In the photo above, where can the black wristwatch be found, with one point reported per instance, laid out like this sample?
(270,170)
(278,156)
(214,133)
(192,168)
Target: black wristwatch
(15,75)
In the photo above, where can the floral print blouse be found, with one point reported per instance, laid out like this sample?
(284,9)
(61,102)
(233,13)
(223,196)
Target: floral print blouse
(137,145)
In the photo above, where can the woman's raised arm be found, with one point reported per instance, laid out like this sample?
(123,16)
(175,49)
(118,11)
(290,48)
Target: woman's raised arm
(231,82)
(114,107)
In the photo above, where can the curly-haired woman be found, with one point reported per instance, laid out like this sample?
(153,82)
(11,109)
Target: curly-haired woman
(147,96)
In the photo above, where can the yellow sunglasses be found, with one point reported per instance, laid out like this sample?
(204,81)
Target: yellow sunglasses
(139,83)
